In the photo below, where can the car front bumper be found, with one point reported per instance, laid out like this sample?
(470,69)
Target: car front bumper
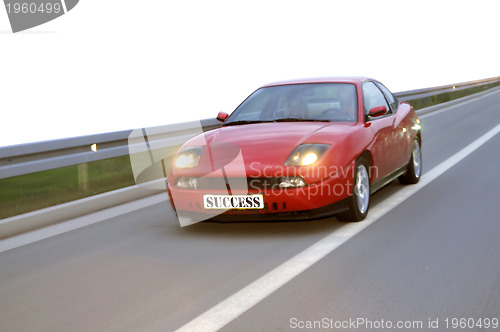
(317,200)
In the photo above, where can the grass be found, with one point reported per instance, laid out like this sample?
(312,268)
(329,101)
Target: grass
(25,193)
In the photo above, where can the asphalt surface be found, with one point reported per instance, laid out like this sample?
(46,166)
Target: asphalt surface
(431,258)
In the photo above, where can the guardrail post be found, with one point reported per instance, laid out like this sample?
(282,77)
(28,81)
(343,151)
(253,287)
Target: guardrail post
(83,177)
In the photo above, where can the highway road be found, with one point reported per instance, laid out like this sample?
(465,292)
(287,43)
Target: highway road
(427,260)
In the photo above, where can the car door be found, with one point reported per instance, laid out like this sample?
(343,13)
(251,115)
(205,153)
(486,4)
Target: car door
(387,144)
(400,126)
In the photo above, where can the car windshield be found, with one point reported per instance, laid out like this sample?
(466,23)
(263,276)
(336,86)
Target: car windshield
(298,102)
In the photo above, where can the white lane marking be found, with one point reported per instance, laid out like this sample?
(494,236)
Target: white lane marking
(89,219)
(235,305)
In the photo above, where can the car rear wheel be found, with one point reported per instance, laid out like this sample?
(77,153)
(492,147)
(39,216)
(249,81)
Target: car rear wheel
(414,168)
(359,202)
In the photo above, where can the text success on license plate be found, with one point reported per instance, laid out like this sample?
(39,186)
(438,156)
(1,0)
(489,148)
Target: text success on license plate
(233,201)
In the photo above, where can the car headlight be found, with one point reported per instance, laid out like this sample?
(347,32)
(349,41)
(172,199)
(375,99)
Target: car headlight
(187,182)
(306,154)
(188,157)
(291,182)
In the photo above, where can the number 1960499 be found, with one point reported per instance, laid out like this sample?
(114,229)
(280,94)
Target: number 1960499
(33,8)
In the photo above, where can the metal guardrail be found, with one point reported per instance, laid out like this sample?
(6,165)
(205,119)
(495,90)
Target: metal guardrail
(427,92)
(41,156)
(35,157)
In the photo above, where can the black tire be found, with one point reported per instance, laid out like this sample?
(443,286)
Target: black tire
(414,168)
(358,212)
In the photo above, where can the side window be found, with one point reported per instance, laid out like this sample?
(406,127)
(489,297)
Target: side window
(389,96)
(373,97)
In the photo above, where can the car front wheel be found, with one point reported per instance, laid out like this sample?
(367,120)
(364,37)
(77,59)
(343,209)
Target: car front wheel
(414,168)
(359,202)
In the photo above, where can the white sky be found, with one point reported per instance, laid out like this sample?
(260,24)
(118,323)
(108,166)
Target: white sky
(120,64)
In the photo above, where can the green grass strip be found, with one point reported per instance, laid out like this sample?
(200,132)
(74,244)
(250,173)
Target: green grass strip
(25,193)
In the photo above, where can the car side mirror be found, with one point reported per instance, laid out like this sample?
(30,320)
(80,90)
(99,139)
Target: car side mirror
(222,116)
(377,111)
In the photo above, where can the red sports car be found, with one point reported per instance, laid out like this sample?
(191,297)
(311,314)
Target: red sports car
(298,149)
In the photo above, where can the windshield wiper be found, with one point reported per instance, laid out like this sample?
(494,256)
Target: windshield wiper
(241,122)
(299,120)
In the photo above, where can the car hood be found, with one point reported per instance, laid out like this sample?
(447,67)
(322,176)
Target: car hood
(266,144)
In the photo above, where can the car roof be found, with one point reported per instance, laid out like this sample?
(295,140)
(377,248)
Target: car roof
(334,79)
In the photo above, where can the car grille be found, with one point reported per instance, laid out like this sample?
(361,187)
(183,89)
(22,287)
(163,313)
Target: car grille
(251,184)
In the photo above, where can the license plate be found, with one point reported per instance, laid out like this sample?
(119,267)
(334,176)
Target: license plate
(226,202)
